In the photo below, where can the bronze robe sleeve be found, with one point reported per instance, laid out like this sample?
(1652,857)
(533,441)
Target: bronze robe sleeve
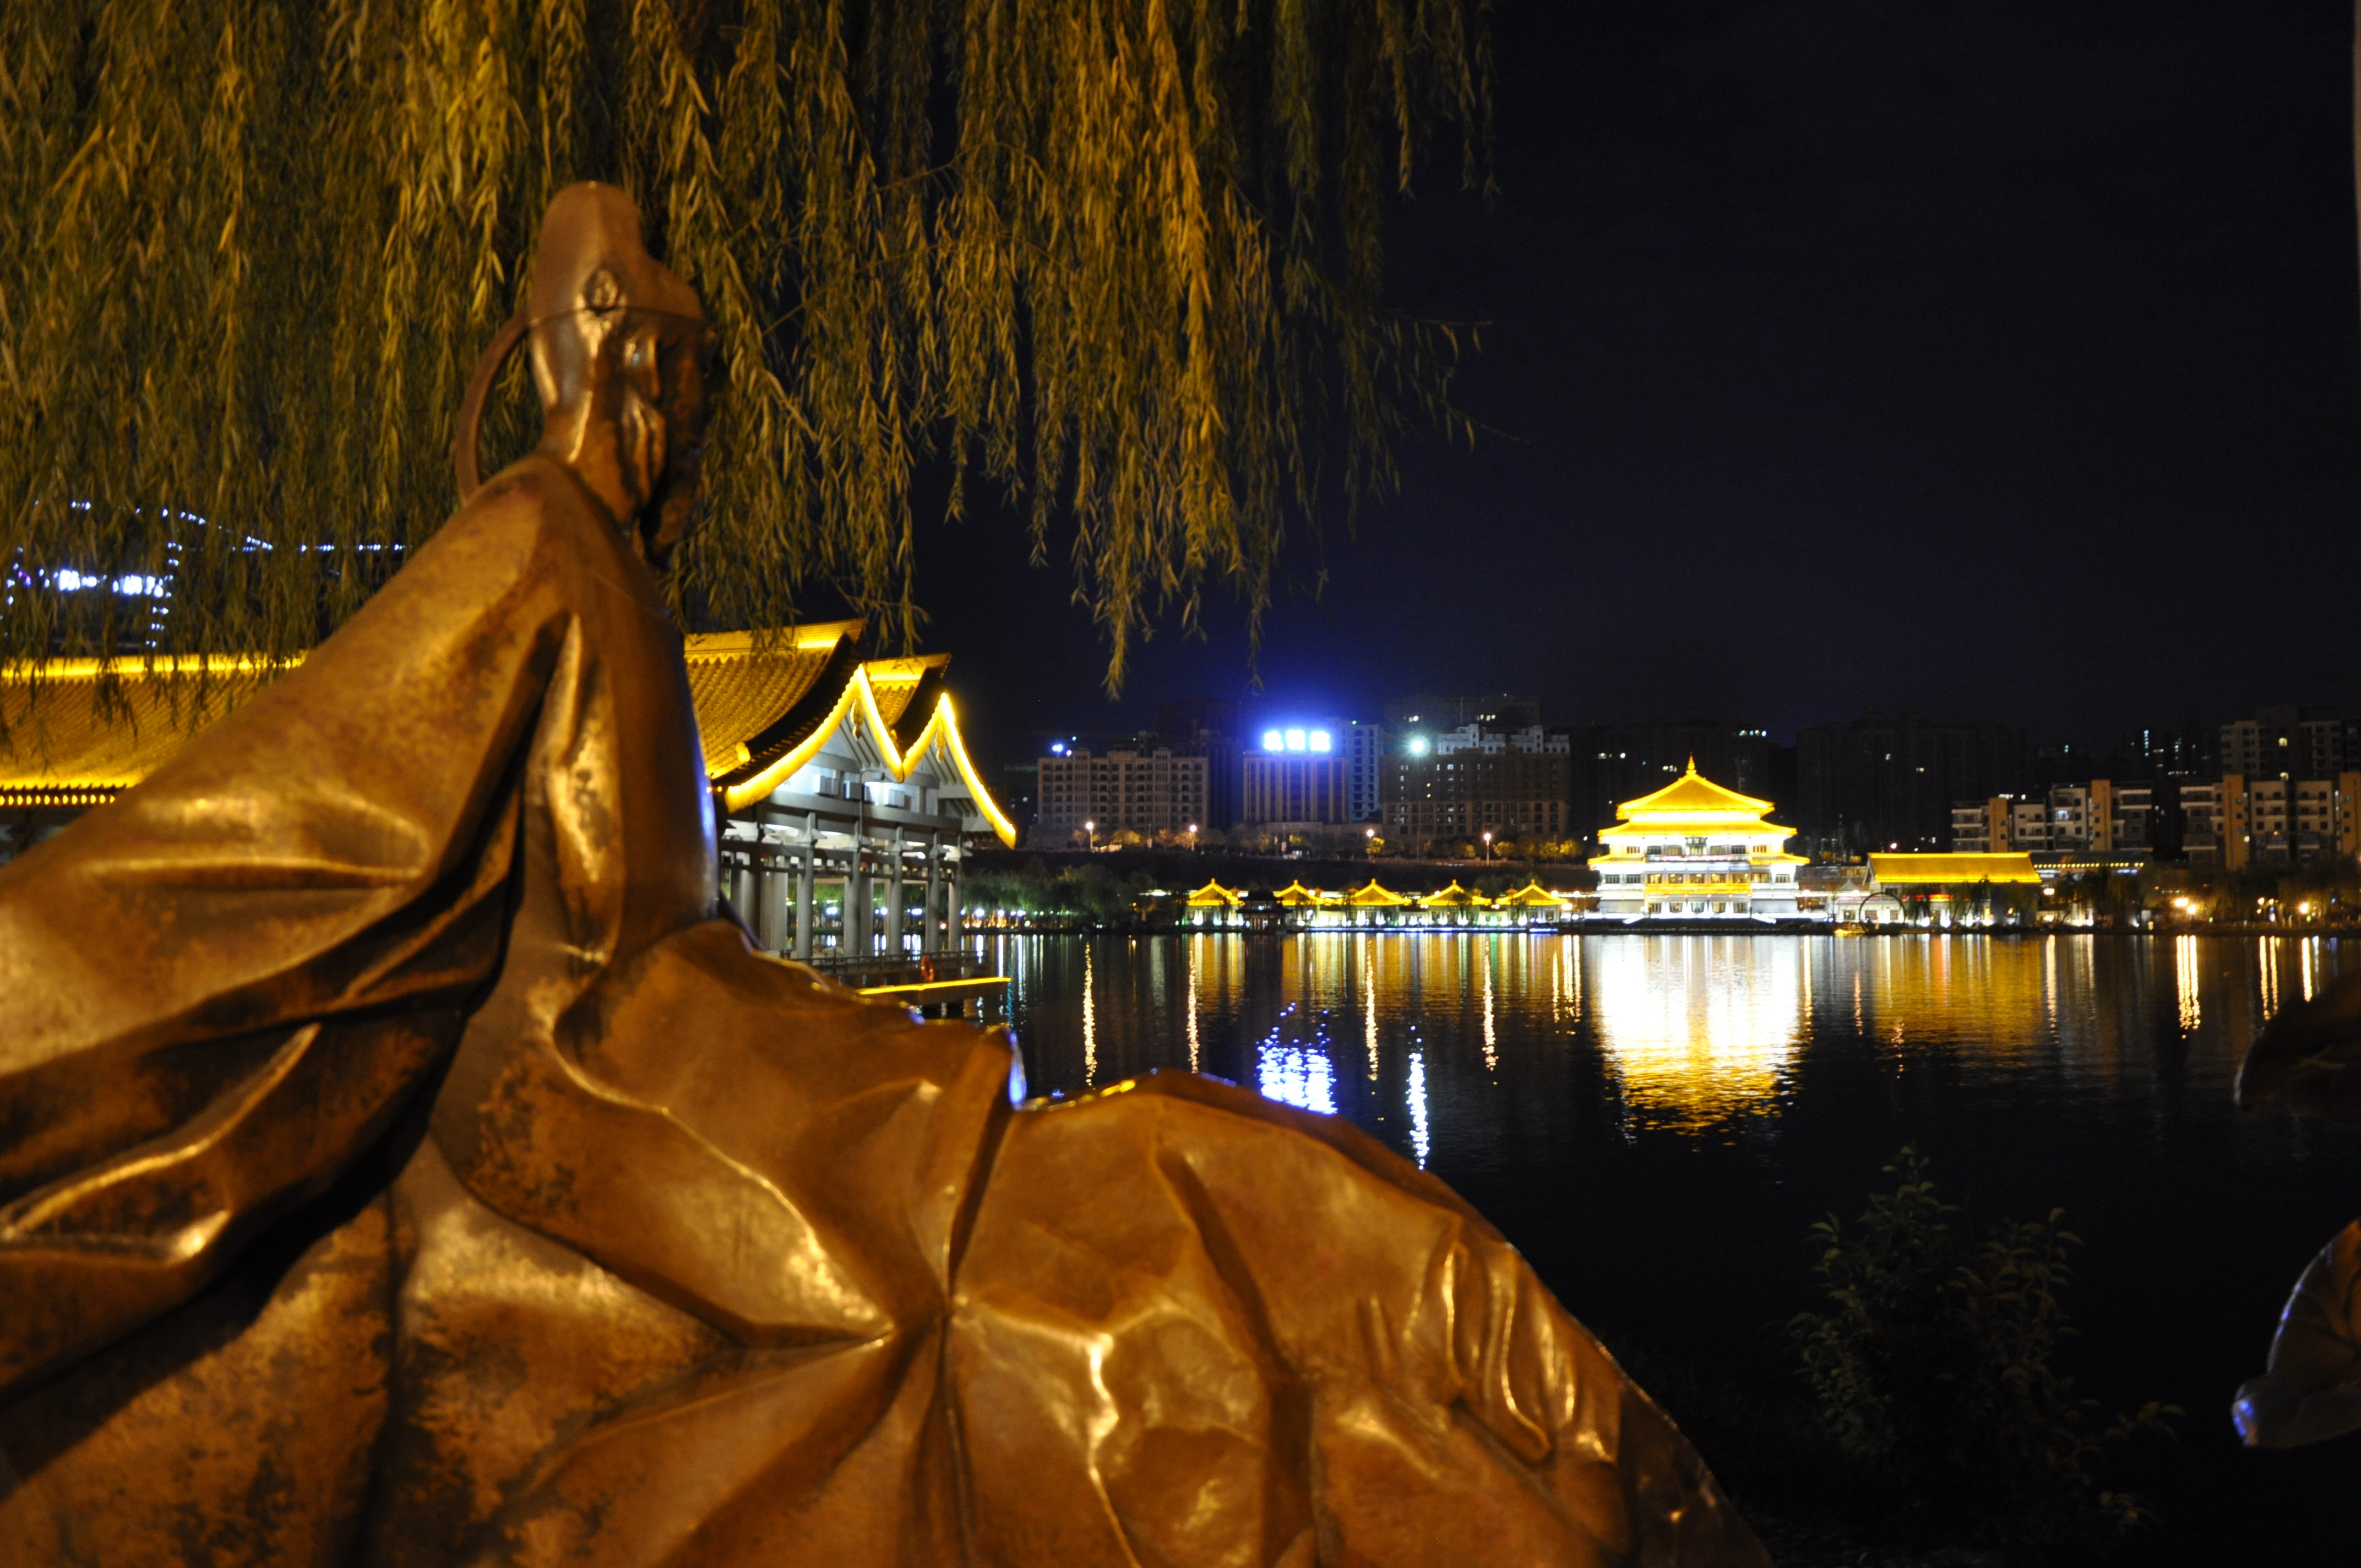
(217,990)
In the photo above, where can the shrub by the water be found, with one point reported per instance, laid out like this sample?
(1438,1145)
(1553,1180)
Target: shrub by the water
(1933,1371)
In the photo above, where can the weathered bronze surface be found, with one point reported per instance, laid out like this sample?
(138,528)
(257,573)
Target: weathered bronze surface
(403,1165)
(2309,1058)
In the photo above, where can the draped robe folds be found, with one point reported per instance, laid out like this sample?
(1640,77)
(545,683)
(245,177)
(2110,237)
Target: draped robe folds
(402,1164)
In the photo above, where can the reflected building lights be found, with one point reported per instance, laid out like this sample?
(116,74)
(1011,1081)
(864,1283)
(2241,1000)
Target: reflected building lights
(1089,1020)
(1191,983)
(2050,980)
(2306,953)
(2267,963)
(1491,1033)
(1418,1129)
(1369,1001)
(2185,974)
(1692,1031)
(1295,1076)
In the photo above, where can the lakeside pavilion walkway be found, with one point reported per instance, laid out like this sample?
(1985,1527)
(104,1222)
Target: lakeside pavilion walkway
(1307,908)
(840,784)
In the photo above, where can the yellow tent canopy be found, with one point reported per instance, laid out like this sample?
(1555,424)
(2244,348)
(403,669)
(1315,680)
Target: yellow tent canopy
(1295,895)
(1452,897)
(1213,895)
(1375,897)
(1533,895)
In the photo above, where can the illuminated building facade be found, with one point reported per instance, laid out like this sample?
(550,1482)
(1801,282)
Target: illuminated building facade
(1694,851)
(1466,781)
(844,796)
(1297,776)
(1152,790)
(2102,814)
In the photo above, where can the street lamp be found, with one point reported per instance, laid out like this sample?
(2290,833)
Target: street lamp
(1090,837)
(1193,838)
(1369,842)
(1487,845)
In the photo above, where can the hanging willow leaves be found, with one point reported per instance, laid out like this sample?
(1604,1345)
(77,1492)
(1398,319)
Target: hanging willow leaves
(1119,259)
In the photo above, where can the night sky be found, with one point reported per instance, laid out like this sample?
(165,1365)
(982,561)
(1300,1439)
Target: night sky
(1982,360)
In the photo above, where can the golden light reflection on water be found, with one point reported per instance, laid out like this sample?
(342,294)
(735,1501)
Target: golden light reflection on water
(1196,1052)
(1091,1020)
(1491,1030)
(1697,1027)
(2187,973)
(1413,1035)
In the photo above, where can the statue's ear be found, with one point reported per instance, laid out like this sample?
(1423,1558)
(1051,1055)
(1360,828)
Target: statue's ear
(463,455)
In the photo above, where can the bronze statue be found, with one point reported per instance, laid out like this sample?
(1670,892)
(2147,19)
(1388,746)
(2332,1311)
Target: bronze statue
(404,1165)
(2309,1058)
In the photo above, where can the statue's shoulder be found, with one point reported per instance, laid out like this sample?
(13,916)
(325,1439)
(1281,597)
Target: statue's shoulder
(531,526)
(532,499)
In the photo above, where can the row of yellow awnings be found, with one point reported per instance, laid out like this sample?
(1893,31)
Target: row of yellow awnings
(1956,869)
(1295,895)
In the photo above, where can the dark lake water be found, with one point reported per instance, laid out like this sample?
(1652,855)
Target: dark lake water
(1657,1122)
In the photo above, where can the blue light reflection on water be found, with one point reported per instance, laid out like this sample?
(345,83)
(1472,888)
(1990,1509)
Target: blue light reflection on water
(1657,1122)
(1297,1077)
(1420,1137)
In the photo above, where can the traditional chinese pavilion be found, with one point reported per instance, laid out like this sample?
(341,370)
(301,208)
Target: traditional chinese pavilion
(844,800)
(1694,851)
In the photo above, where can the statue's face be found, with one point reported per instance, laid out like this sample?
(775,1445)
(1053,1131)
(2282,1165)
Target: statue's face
(685,364)
(643,375)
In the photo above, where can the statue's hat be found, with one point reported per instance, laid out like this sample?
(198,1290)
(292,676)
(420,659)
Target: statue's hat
(592,258)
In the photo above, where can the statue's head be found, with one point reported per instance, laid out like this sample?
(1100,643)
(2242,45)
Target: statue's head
(620,356)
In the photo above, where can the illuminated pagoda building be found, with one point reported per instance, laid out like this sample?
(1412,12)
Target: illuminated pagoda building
(844,799)
(1694,851)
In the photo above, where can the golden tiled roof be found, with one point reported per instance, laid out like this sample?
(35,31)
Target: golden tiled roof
(98,729)
(764,701)
(1905,871)
(740,692)
(895,681)
(1692,794)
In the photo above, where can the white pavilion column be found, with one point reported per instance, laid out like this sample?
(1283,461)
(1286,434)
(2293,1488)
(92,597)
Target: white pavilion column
(806,869)
(894,895)
(778,893)
(859,902)
(959,900)
(933,937)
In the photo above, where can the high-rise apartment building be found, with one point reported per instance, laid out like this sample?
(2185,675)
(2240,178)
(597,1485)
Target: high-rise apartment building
(2102,814)
(1296,776)
(2288,743)
(1099,795)
(1364,762)
(1209,727)
(1889,783)
(1470,782)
